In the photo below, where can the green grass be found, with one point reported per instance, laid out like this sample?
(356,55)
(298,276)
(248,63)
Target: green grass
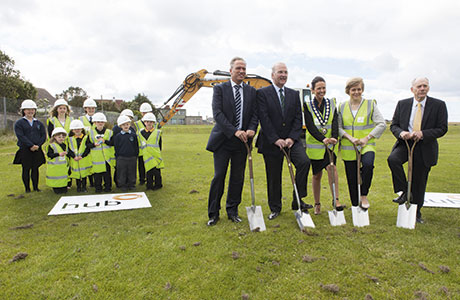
(150,253)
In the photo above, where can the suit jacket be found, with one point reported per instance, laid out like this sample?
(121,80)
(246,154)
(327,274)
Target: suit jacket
(274,124)
(223,109)
(434,125)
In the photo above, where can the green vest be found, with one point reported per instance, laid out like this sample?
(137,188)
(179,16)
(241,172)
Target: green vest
(151,150)
(57,168)
(82,168)
(56,123)
(102,153)
(359,126)
(87,124)
(315,148)
(139,126)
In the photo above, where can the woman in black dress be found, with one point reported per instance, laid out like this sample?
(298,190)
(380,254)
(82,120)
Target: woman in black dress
(31,134)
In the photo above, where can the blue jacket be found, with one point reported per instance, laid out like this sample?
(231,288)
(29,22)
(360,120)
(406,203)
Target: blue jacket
(29,135)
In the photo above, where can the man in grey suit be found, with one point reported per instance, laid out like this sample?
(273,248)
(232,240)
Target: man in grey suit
(280,116)
(234,111)
(432,124)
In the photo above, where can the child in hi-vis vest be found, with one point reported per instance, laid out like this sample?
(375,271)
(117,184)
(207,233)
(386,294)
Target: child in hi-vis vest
(79,150)
(57,166)
(150,143)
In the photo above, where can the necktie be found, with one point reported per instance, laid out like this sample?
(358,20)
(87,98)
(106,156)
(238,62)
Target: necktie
(237,106)
(282,100)
(417,125)
(91,119)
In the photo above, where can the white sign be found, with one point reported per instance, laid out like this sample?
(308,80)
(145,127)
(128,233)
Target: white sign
(97,203)
(442,200)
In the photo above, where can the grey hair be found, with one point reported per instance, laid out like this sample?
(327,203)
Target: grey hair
(232,62)
(418,78)
(275,65)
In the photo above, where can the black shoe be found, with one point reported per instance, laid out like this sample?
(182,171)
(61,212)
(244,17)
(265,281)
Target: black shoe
(273,215)
(420,220)
(132,188)
(141,182)
(212,221)
(303,206)
(340,208)
(124,189)
(107,190)
(98,191)
(157,187)
(235,219)
(37,190)
(27,190)
(401,199)
(78,189)
(84,190)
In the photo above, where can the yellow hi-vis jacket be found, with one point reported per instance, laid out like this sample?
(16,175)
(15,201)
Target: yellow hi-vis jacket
(139,126)
(102,153)
(56,123)
(87,124)
(57,168)
(82,168)
(151,150)
(315,148)
(359,126)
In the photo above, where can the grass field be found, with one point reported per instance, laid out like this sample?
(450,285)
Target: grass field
(167,251)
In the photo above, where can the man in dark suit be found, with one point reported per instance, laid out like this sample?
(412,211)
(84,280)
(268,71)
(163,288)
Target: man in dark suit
(280,116)
(420,119)
(234,111)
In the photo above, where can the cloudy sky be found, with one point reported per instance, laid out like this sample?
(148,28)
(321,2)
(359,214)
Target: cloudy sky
(121,48)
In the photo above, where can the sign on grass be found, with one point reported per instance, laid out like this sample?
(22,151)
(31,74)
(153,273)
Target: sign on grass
(98,203)
(442,200)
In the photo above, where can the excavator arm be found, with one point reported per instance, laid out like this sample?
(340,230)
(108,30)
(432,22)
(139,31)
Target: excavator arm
(194,81)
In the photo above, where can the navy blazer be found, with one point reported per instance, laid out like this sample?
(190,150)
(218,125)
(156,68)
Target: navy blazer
(29,135)
(274,124)
(434,125)
(223,109)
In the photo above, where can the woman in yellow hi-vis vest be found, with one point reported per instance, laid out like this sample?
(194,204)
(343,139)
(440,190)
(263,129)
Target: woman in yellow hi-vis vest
(322,123)
(360,123)
(59,116)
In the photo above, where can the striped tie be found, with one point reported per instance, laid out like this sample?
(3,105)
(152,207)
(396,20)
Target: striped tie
(282,100)
(237,106)
(417,124)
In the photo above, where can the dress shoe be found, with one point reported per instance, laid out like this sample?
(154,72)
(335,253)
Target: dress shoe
(235,219)
(419,220)
(157,187)
(401,199)
(273,215)
(212,221)
(37,190)
(303,206)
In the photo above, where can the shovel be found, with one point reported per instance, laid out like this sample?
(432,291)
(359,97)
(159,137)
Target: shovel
(360,215)
(407,212)
(255,216)
(337,218)
(303,218)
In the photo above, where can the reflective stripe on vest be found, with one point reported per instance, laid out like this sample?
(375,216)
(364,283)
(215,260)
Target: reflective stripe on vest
(102,153)
(56,123)
(57,169)
(152,152)
(139,126)
(358,126)
(315,148)
(82,168)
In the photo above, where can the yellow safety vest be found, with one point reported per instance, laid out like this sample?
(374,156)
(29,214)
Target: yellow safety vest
(102,153)
(57,168)
(87,124)
(56,123)
(139,126)
(315,148)
(151,150)
(82,168)
(359,126)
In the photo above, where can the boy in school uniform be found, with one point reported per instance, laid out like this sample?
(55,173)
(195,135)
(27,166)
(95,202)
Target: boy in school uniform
(126,152)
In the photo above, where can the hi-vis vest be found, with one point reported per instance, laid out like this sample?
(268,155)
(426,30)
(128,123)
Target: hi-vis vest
(82,168)
(151,150)
(57,168)
(315,148)
(139,126)
(57,123)
(359,126)
(87,124)
(101,153)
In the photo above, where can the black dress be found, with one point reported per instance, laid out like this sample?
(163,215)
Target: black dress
(29,135)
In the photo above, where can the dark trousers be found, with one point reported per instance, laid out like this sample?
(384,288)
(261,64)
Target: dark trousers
(28,173)
(420,172)
(141,167)
(60,190)
(154,177)
(91,180)
(81,185)
(367,172)
(274,169)
(235,152)
(126,172)
(106,176)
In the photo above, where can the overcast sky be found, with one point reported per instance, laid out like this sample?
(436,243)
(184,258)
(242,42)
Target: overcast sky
(121,48)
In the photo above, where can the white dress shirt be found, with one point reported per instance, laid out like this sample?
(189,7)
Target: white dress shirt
(242,101)
(414,111)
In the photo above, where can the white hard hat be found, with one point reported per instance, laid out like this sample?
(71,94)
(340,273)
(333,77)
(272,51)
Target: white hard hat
(123,120)
(145,107)
(99,117)
(149,117)
(127,112)
(58,130)
(28,104)
(89,103)
(76,124)
(60,102)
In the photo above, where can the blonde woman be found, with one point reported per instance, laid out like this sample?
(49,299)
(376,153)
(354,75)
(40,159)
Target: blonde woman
(59,116)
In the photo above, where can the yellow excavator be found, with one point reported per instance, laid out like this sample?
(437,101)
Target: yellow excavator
(194,81)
